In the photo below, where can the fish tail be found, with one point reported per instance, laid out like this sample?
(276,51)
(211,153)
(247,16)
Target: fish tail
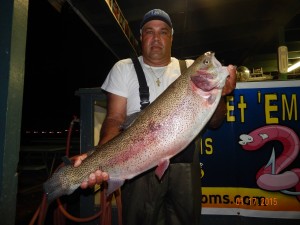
(56,186)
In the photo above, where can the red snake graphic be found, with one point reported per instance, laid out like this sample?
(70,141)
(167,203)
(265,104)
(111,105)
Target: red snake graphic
(269,177)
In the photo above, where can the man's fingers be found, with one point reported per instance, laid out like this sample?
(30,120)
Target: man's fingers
(98,175)
(78,160)
(105,176)
(84,185)
(230,81)
(92,180)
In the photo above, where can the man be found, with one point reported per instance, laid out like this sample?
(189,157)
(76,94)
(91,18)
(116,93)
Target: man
(176,199)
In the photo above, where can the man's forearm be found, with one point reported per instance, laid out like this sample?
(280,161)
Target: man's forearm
(219,115)
(110,128)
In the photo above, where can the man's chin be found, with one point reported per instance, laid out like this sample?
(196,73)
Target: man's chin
(156,52)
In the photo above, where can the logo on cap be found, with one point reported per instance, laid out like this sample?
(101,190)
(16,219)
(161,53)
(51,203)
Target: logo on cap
(156,14)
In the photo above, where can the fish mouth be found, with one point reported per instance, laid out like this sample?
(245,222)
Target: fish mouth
(208,73)
(204,80)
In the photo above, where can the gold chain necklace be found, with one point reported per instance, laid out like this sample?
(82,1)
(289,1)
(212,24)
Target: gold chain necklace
(158,82)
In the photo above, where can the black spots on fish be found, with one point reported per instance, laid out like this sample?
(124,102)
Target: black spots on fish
(129,120)
(137,139)
(154,126)
(57,185)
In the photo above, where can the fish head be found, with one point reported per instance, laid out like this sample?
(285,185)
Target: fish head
(208,73)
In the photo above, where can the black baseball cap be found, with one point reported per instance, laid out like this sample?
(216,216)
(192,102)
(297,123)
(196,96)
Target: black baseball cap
(156,14)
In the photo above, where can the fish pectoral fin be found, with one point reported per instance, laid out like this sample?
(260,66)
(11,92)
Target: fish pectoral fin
(114,184)
(130,120)
(211,99)
(161,168)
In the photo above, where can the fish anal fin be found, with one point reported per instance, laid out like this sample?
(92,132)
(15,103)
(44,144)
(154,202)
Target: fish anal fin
(161,168)
(114,184)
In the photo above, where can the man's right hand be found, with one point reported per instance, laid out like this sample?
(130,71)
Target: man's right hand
(94,178)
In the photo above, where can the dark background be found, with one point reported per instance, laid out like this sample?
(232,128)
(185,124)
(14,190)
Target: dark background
(62,56)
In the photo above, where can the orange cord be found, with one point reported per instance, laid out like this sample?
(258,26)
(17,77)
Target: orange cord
(105,212)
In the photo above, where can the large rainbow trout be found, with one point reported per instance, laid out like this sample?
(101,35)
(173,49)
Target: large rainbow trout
(158,133)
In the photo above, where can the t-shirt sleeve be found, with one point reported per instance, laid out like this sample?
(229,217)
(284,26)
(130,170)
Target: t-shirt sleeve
(189,62)
(115,81)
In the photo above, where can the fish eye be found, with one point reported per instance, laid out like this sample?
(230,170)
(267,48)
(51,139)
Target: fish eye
(206,61)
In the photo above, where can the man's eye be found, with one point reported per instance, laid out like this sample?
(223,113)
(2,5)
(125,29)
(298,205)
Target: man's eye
(165,32)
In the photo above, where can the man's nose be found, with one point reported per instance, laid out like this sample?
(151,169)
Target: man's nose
(156,35)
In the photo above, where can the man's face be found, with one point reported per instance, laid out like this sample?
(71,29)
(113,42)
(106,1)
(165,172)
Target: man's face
(156,40)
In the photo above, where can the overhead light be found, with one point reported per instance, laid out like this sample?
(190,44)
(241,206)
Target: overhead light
(293,67)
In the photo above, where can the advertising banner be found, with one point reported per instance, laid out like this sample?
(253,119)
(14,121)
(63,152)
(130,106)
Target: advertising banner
(251,164)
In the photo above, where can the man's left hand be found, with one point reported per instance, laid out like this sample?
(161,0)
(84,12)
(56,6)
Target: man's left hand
(230,81)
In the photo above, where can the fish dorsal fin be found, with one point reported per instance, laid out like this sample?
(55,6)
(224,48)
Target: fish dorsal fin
(129,120)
